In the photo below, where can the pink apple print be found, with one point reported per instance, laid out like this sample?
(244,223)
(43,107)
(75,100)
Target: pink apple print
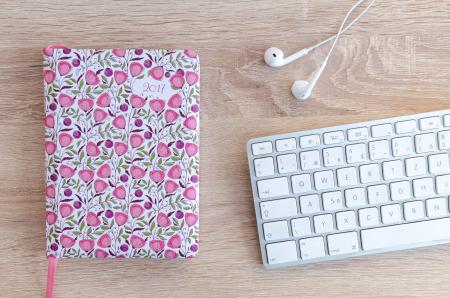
(137,242)
(100,186)
(120,148)
(136,210)
(50,217)
(174,172)
(91,78)
(136,101)
(65,100)
(191,78)
(174,241)
(170,187)
(65,139)
(100,253)
(163,220)
(163,150)
(190,193)
(119,193)
(177,81)
(191,149)
(119,52)
(175,101)
(104,171)
(170,254)
(137,172)
(49,76)
(190,123)
(49,121)
(85,104)
(99,115)
(190,53)
(50,147)
(104,241)
(86,175)
(120,218)
(48,51)
(157,72)
(170,116)
(191,219)
(120,77)
(92,219)
(87,244)
(65,210)
(156,176)
(92,149)
(103,100)
(156,245)
(50,191)
(136,140)
(66,171)
(66,241)
(157,105)
(119,122)
(64,67)
(136,68)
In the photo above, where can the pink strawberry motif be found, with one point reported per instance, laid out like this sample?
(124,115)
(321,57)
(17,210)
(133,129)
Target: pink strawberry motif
(157,105)
(119,52)
(163,220)
(136,140)
(170,187)
(103,100)
(120,148)
(137,242)
(104,171)
(120,218)
(191,78)
(175,101)
(66,241)
(100,253)
(190,123)
(66,171)
(156,176)
(49,76)
(50,217)
(190,53)
(157,72)
(87,244)
(191,219)
(100,186)
(136,210)
(136,101)
(104,241)
(163,150)
(191,149)
(170,116)
(177,81)
(92,149)
(120,193)
(49,121)
(157,245)
(119,122)
(92,219)
(50,191)
(137,172)
(86,175)
(99,115)
(91,78)
(174,241)
(190,193)
(120,77)
(65,100)
(85,104)
(65,139)
(64,67)
(50,147)
(170,254)
(174,172)
(136,68)
(48,51)
(65,210)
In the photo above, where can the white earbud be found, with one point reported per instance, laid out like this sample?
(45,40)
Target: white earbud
(302,89)
(274,57)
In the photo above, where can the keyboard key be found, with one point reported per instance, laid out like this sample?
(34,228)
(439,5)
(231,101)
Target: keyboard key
(309,141)
(264,166)
(447,120)
(356,134)
(276,230)
(346,220)
(370,173)
(402,146)
(344,243)
(262,148)
(436,207)
(425,143)
(286,144)
(406,234)
(408,126)
(273,187)
(393,170)
(382,130)
(423,187)
(379,150)
(443,184)
(323,223)
(438,163)
(309,204)
(333,137)
(332,201)
(278,208)
(391,213)
(282,252)
(301,183)
(377,194)
(287,163)
(368,217)
(324,180)
(347,176)
(414,210)
(444,139)
(356,153)
(400,191)
(333,156)
(429,123)
(311,248)
(301,227)
(416,166)
(355,197)
(310,160)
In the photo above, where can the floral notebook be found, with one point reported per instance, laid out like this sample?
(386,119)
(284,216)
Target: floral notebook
(122,153)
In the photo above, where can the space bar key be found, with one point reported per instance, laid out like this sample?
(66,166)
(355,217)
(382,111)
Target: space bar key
(406,234)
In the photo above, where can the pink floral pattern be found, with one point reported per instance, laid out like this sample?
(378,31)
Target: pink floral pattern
(122,153)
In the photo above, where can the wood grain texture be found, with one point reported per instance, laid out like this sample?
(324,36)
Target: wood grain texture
(394,62)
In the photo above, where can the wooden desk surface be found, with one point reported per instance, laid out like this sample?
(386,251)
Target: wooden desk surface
(394,62)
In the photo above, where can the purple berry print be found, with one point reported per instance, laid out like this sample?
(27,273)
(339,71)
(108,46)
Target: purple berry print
(108,144)
(68,192)
(179,214)
(124,107)
(109,214)
(77,134)
(148,135)
(77,205)
(148,205)
(194,247)
(179,144)
(180,72)
(66,51)
(53,106)
(148,63)
(124,178)
(138,51)
(108,72)
(138,193)
(54,247)
(194,178)
(76,62)
(124,247)
(138,122)
(54,177)
(167,74)
(67,121)
(194,108)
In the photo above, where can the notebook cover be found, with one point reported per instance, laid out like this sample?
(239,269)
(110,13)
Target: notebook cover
(122,153)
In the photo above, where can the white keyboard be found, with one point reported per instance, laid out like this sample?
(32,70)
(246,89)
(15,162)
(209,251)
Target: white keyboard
(352,190)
